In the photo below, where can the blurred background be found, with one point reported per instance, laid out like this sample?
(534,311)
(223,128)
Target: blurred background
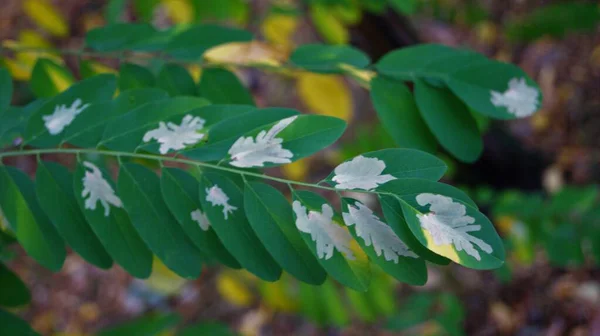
(535,180)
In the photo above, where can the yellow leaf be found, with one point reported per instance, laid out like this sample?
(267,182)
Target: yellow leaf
(296,171)
(245,53)
(278,29)
(277,296)
(195,71)
(18,71)
(31,38)
(47,17)
(163,280)
(89,68)
(180,11)
(325,94)
(330,27)
(349,13)
(60,79)
(233,289)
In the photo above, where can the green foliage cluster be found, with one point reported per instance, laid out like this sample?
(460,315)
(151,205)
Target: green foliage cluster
(252,224)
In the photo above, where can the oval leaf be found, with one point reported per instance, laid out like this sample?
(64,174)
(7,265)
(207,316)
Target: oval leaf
(312,213)
(223,204)
(398,112)
(180,192)
(328,58)
(450,121)
(110,223)
(271,217)
(32,228)
(139,189)
(54,189)
(47,126)
(382,245)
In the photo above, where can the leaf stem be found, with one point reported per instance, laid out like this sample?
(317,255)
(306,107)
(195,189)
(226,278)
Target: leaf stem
(119,155)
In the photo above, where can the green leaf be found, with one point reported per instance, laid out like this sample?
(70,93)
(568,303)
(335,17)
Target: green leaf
(115,231)
(207,329)
(159,40)
(409,188)
(6,89)
(126,132)
(120,36)
(32,228)
(474,86)
(404,163)
(481,229)
(54,189)
(392,210)
(233,228)
(404,6)
(96,89)
(398,112)
(221,86)
(408,269)
(13,292)
(361,306)
(87,129)
(191,44)
(49,78)
(149,325)
(323,58)
(450,121)
(13,325)
(306,135)
(115,11)
(223,134)
(180,191)
(416,310)
(563,245)
(410,63)
(14,120)
(556,19)
(333,305)
(176,80)
(310,303)
(145,9)
(271,217)
(354,273)
(139,189)
(133,76)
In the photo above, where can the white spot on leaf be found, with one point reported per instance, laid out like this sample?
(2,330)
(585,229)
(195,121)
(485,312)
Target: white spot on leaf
(63,116)
(247,152)
(176,137)
(361,173)
(377,233)
(519,99)
(323,231)
(448,223)
(199,217)
(217,197)
(98,189)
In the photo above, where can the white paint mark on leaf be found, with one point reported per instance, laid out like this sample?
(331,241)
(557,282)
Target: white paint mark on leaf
(519,99)
(175,137)
(247,152)
(448,223)
(377,233)
(199,217)
(98,189)
(327,234)
(63,116)
(217,197)
(361,173)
